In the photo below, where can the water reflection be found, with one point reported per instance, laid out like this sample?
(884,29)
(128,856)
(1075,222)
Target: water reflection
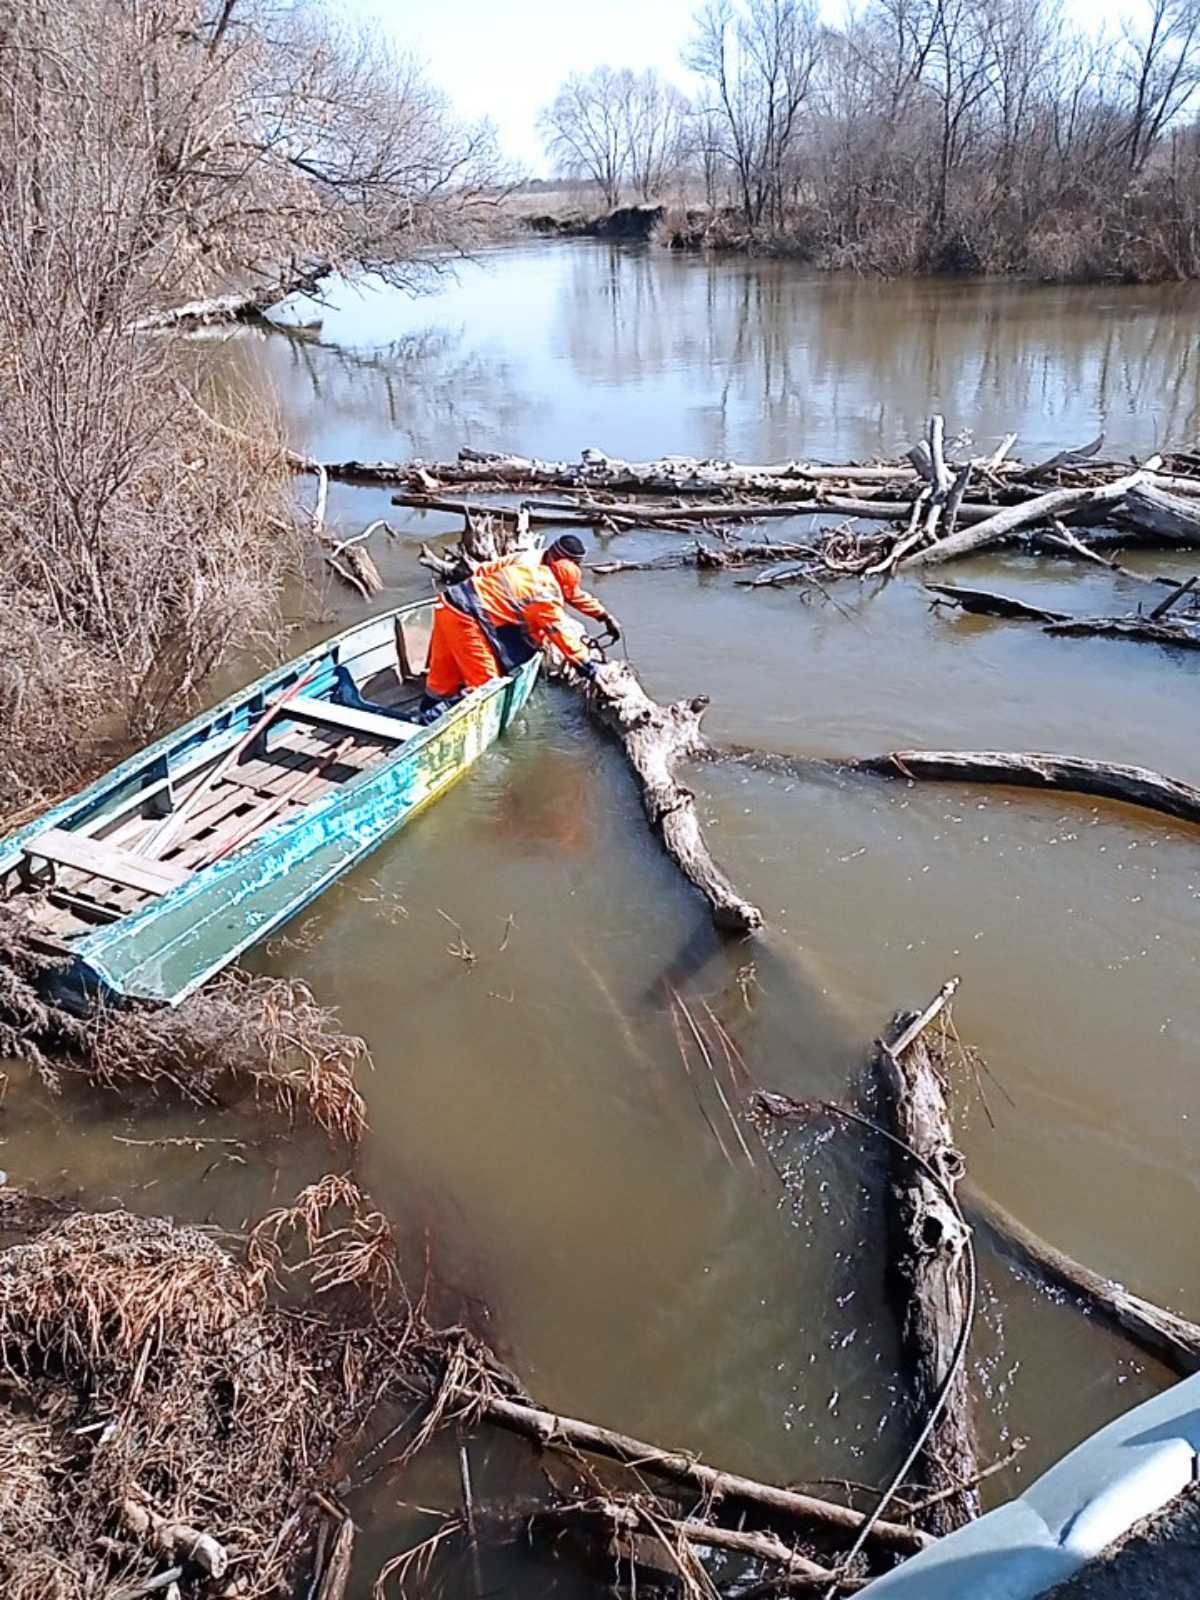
(389,400)
(772,361)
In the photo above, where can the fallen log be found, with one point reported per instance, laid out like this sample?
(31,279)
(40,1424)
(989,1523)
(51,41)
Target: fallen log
(247,306)
(930,1265)
(1176,634)
(1162,1334)
(548,1430)
(696,511)
(1107,780)
(1004,524)
(472,508)
(986,603)
(655,738)
(668,475)
(1167,516)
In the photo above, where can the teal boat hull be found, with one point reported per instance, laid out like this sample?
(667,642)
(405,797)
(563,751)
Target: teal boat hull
(163,951)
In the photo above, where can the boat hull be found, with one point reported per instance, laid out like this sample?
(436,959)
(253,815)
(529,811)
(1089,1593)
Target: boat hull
(164,951)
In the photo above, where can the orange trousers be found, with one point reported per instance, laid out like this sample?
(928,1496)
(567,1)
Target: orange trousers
(460,656)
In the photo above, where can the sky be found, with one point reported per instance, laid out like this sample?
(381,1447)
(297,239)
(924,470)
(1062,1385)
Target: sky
(504,59)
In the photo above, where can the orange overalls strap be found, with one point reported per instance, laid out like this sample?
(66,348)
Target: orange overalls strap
(570,580)
(513,593)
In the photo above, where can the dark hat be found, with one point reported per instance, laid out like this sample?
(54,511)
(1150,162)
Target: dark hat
(569,544)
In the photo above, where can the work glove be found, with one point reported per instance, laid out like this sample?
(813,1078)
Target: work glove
(587,669)
(613,626)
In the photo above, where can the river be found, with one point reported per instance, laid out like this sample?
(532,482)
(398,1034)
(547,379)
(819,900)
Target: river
(531,1121)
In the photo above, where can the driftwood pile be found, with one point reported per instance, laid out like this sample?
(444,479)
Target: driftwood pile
(931,507)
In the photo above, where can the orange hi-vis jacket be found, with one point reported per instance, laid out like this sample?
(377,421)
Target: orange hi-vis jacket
(519,594)
(570,581)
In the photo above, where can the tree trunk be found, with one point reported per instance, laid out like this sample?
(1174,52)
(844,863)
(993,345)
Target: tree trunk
(1012,519)
(246,307)
(928,1264)
(1134,786)
(1161,1334)
(654,738)
(1164,515)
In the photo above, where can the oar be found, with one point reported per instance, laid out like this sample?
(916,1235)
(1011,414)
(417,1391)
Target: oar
(156,842)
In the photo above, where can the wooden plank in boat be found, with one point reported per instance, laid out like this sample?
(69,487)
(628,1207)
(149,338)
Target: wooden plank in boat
(326,714)
(107,861)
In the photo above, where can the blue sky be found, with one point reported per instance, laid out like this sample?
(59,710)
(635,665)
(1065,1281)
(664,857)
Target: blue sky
(505,58)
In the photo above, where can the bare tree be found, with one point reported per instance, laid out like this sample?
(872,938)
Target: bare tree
(585,129)
(1161,71)
(655,114)
(757,60)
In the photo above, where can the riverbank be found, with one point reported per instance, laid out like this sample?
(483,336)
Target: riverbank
(1143,239)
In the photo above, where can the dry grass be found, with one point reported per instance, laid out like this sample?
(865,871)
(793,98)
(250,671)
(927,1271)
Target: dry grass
(241,1032)
(145,1368)
(150,1380)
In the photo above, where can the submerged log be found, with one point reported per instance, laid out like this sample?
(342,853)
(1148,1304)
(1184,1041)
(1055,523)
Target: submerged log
(655,738)
(986,603)
(551,1431)
(629,1517)
(1108,780)
(1161,1334)
(930,1265)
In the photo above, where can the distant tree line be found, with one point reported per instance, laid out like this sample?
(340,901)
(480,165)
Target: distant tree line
(978,135)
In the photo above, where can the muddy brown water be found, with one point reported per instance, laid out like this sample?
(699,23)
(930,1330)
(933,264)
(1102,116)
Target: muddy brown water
(530,1116)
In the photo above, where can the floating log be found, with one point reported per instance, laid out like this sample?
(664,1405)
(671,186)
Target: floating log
(1175,634)
(1162,1334)
(472,508)
(248,306)
(1108,780)
(551,1431)
(655,738)
(1011,520)
(929,1264)
(987,603)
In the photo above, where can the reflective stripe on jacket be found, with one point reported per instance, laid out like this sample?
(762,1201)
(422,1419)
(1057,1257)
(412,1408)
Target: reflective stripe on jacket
(518,604)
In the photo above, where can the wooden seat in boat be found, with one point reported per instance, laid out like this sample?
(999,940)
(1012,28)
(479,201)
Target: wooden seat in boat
(102,860)
(302,709)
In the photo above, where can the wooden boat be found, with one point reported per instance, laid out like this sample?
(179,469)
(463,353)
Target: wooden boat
(158,875)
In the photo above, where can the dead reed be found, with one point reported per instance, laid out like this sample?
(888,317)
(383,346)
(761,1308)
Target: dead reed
(264,1035)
